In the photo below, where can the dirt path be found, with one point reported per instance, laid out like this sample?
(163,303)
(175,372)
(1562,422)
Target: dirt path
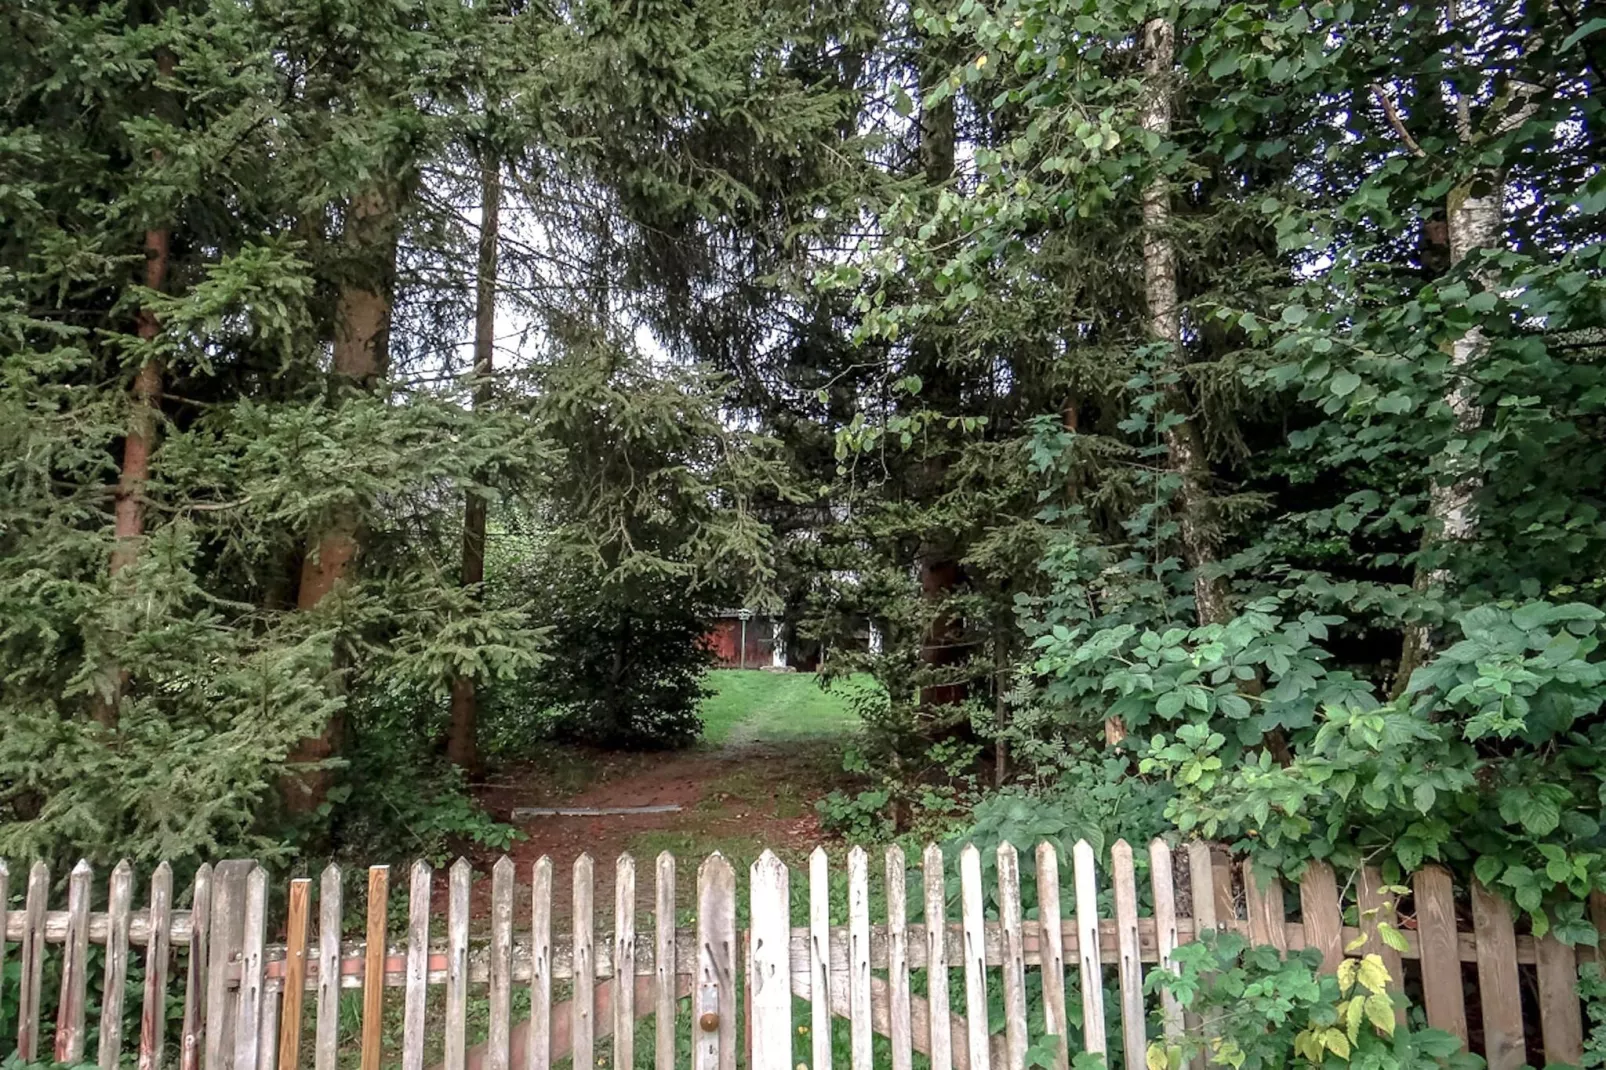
(736,799)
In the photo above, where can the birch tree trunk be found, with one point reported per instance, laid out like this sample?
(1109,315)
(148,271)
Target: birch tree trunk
(361,346)
(1473,212)
(462,747)
(1184,443)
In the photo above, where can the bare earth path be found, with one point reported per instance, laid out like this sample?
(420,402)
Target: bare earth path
(754,788)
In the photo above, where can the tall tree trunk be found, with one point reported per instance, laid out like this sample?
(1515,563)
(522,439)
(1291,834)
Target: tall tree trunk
(128,511)
(128,517)
(361,341)
(1184,443)
(940,572)
(462,746)
(1473,215)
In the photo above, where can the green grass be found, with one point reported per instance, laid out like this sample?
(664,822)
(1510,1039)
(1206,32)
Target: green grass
(749,706)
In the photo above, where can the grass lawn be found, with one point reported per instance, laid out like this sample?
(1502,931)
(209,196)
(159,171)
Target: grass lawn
(753,706)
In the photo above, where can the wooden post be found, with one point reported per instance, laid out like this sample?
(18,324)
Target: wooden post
(1014,971)
(227,924)
(1091,971)
(538,1044)
(1504,1044)
(819,957)
(456,1036)
(714,1004)
(251,996)
(939,1023)
(1442,993)
(899,1027)
(582,1031)
(1051,952)
(624,963)
(373,971)
(859,1023)
(119,902)
(74,967)
(1129,958)
(1162,884)
(295,973)
(1322,914)
(770,977)
(195,976)
(975,945)
(665,970)
(498,1044)
(326,1036)
(153,1008)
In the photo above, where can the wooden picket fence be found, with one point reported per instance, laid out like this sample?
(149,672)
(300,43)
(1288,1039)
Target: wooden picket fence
(245,1000)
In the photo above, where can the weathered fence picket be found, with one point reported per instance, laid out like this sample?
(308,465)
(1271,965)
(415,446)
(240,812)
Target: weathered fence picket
(243,996)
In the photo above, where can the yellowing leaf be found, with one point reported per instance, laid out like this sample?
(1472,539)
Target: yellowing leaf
(1346,972)
(1337,1043)
(1156,1059)
(1374,976)
(1392,936)
(1353,1012)
(981,61)
(1380,1012)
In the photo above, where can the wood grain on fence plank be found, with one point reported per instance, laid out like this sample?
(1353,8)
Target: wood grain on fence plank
(859,1023)
(770,974)
(295,972)
(119,902)
(939,1026)
(1498,988)
(191,1036)
(74,966)
(819,958)
(1090,969)
(415,1000)
(229,892)
(1202,894)
(268,1044)
(1162,886)
(1202,887)
(972,914)
(900,1028)
(1014,967)
(624,958)
(1221,880)
(538,1038)
(32,957)
(582,1031)
(326,1031)
(153,1005)
(1051,952)
(1378,908)
(373,974)
(715,1039)
(498,1039)
(458,880)
(250,996)
(1133,1036)
(663,964)
(1442,992)
(1263,898)
(1321,914)
(1561,1024)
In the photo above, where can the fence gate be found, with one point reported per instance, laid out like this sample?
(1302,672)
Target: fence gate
(251,1003)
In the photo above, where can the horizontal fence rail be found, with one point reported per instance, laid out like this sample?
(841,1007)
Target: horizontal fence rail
(245,1002)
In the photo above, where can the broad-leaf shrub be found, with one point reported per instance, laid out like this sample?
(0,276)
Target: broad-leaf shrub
(1257,1010)
(1491,760)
